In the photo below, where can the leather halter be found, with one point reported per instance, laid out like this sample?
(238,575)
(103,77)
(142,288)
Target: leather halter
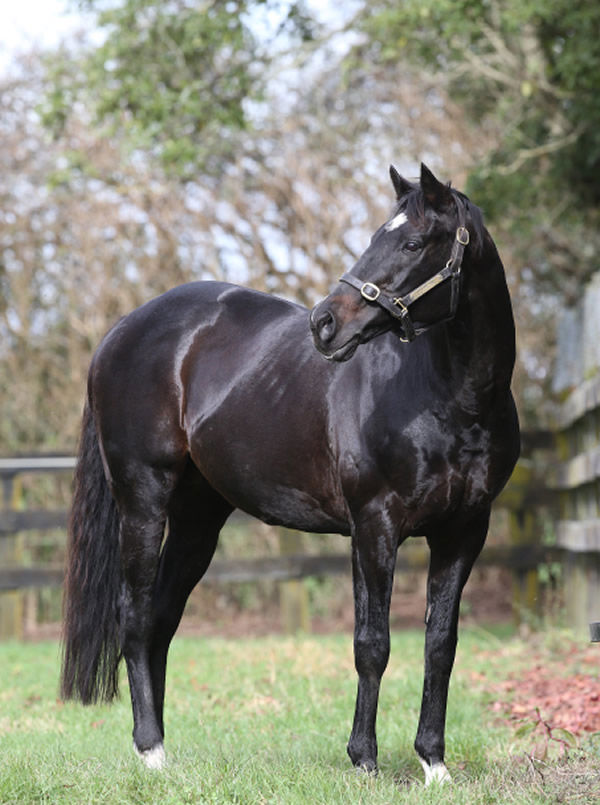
(397,306)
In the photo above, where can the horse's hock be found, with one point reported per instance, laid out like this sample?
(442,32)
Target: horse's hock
(577,384)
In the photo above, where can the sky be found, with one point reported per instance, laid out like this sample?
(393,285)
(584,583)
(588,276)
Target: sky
(24,23)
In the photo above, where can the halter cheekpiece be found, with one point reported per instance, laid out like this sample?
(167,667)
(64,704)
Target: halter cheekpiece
(397,306)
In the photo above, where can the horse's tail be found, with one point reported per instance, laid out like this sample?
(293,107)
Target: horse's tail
(91,651)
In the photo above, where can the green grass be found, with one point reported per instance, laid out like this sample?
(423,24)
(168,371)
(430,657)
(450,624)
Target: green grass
(266,721)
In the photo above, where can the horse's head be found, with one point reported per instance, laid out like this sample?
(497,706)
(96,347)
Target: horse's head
(408,279)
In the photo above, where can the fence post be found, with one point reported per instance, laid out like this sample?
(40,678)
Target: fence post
(11,554)
(293,595)
(582,589)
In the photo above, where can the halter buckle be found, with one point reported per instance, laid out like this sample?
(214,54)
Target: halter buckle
(404,319)
(462,235)
(370,291)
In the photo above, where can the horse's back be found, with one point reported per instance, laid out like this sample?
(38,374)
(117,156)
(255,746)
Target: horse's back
(186,309)
(138,375)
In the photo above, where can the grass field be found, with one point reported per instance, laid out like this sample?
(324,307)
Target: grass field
(266,721)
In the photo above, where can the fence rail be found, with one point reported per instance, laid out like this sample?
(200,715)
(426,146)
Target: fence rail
(522,556)
(518,558)
(32,520)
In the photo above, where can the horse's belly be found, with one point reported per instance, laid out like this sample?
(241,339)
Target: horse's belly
(277,504)
(278,486)
(296,509)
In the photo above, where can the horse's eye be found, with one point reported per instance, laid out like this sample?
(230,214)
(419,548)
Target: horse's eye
(412,246)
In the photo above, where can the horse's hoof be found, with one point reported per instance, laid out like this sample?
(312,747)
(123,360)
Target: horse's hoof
(435,773)
(368,769)
(154,758)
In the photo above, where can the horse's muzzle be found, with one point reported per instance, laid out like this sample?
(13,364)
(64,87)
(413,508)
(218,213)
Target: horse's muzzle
(323,326)
(337,336)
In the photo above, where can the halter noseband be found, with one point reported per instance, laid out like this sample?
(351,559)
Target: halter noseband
(397,306)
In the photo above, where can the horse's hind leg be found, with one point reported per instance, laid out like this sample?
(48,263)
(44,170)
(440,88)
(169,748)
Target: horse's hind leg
(142,506)
(453,552)
(196,516)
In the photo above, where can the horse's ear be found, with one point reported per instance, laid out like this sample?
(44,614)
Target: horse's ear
(436,194)
(401,185)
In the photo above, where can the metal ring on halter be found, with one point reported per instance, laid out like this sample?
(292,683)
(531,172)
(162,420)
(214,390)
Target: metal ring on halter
(462,235)
(370,291)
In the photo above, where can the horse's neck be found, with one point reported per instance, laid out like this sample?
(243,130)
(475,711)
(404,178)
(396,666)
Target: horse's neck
(482,336)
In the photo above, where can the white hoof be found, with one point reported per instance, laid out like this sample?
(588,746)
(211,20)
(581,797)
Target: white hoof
(438,773)
(154,758)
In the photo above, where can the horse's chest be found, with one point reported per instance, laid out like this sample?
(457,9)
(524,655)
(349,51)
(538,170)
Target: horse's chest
(437,470)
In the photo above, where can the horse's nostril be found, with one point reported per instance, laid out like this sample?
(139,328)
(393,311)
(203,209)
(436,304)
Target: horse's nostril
(325,326)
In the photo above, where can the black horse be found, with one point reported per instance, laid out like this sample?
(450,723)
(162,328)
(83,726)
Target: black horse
(213,397)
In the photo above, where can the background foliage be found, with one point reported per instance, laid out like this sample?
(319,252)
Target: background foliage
(250,140)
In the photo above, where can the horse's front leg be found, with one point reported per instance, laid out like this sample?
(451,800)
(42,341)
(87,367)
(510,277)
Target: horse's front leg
(374,546)
(453,552)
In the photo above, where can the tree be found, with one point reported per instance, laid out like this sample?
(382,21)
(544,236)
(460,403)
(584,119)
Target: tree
(175,79)
(526,74)
(78,248)
(531,65)
(88,232)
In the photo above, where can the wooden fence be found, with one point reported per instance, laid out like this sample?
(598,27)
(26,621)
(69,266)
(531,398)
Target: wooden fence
(577,481)
(15,576)
(577,477)
(522,555)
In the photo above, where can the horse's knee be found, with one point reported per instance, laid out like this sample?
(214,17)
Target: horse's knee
(371,653)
